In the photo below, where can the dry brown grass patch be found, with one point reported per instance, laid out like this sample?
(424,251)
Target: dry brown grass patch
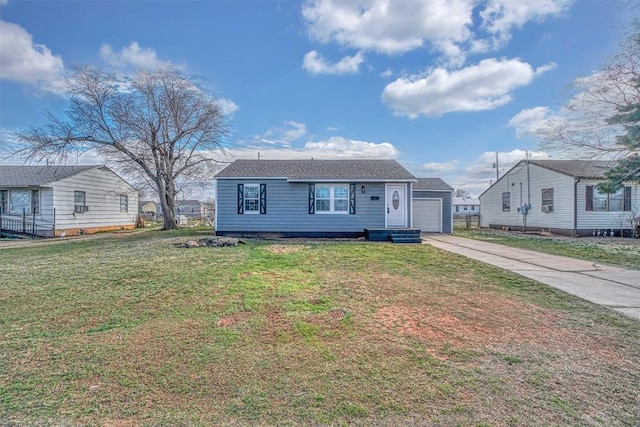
(285,249)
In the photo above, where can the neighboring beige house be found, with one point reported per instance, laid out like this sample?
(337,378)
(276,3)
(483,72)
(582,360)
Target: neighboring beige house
(148,209)
(560,196)
(65,200)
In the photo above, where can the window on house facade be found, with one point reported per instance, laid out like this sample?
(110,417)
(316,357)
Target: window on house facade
(332,198)
(3,201)
(465,208)
(80,201)
(19,201)
(124,203)
(35,201)
(252,198)
(547,200)
(457,208)
(473,208)
(506,202)
(598,201)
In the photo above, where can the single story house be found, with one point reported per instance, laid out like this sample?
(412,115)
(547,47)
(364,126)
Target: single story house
(65,200)
(193,209)
(148,209)
(432,205)
(560,196)
(466,206)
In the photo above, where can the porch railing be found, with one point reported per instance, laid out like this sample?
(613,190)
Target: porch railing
(27,225)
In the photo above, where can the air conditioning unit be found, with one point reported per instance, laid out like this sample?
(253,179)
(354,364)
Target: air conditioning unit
(81,208)
(547,208)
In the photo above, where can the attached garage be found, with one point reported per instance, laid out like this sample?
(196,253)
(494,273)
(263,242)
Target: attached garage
(432,206)
(427,215)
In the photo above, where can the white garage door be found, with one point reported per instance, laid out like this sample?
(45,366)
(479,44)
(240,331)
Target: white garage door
(427,215)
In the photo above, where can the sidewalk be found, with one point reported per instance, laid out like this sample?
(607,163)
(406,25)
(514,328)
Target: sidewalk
(613,287)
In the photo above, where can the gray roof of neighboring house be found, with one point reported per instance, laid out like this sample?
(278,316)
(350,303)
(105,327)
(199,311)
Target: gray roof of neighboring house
(431,184)
(593,169)
(189,202)
(305,170)
(25,176)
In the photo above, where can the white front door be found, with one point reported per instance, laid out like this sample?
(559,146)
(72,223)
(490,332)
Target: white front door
(396,206)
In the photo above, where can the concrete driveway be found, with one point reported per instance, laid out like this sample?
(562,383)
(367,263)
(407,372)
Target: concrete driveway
(613,287)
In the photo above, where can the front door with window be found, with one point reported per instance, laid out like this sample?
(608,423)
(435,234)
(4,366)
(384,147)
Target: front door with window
(396,206)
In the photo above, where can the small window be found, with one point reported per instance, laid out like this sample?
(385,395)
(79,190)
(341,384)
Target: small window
(616,200)
(35,201)
(457,208)
(80,201)
(3,201)
(465,208)
(600,200)
(547,200)
(506,202)
(251,198)
(473,208)
(124,203)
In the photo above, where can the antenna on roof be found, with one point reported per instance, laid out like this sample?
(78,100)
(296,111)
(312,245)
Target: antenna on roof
(258,155)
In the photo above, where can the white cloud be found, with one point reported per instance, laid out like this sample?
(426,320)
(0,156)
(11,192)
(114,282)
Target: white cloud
(23,61)
(529,121)
(228,106)
(315,63)
(336,147)
(500,17)
(447,26)
(437,168)
(291,131)
(132,56)
(390,27)
(484,86)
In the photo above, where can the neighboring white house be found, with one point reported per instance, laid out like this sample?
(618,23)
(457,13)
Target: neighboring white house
(466,206)
(65,200)
(560,196)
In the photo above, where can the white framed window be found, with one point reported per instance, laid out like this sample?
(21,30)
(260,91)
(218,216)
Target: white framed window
(80,201)
(19,201)
(506,202)
(251,198)
(332,198)
(600,200)
(547,200)
(124,203)
(4,201)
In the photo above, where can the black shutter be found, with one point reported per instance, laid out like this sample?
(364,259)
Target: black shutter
(352,199)
(240,198)
(263,199)
(627,198)
(312,198)
(589,198)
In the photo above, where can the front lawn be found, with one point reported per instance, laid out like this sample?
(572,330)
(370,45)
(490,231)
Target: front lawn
(624,252)
(135,331)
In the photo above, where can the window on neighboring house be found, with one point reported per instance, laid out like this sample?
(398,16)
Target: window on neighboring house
(35,201)
(19,201)
(252,198)
(124,203)
(465,208)
(598,201)
(3,201)
(547,200)
(473,208)
(457,208)
(80,201)
(332,198)
(506,202)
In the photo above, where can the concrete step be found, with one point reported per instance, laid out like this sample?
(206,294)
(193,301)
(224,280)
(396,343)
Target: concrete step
(405,238)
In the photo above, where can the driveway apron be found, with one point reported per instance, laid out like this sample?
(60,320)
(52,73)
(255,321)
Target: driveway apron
(613,287)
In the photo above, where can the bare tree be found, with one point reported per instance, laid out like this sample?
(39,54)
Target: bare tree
(602,120)
(461,193)
(157,126)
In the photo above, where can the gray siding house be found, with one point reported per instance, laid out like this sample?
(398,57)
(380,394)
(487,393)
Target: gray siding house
(560,196)
(432,205)
(65,200)
(312,198)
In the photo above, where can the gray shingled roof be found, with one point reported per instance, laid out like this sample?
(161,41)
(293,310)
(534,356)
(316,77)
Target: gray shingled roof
(593,169)
(431,184)
(301,170)
(25,176)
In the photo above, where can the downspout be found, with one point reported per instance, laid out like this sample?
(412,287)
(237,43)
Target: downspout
(575,206)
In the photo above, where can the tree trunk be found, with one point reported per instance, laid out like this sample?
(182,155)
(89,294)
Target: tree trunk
(168,204)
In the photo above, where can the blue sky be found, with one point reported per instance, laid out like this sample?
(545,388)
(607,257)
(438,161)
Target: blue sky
(438,85)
